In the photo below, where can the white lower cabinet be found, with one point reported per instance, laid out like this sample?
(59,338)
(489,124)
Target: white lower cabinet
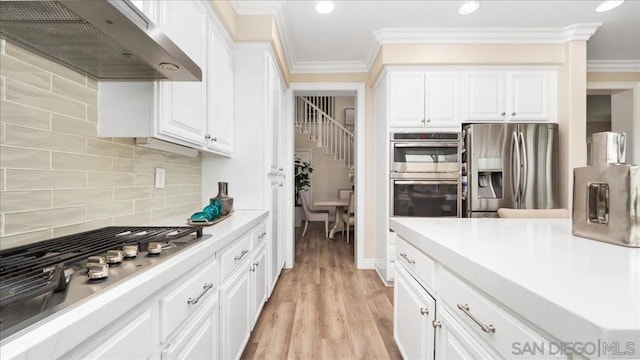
(438,314)
(258,279)
(413,314)
(199,339)
(133,341)
(454,342)
(234,312)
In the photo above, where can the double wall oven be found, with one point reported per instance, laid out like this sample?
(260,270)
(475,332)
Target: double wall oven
(425,174)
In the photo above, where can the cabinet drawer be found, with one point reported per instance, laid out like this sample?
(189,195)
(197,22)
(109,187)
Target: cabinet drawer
(176,306)
(486,319)
(235,255)
(419,265)
(258,235)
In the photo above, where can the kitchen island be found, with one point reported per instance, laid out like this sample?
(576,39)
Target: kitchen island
(169,310)
(561,288)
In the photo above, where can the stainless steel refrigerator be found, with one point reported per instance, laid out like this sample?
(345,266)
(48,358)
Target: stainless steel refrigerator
(509,166)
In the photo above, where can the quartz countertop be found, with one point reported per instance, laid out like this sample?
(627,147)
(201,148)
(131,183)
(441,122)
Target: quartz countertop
(576,289)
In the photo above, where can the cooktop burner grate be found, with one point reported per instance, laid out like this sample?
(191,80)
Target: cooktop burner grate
(35,269)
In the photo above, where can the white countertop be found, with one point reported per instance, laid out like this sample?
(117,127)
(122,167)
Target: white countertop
(53,336)
(574,288)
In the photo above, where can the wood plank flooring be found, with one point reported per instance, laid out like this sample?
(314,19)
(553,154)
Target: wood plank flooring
(324,308)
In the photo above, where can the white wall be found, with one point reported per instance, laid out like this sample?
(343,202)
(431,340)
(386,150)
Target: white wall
(622,119)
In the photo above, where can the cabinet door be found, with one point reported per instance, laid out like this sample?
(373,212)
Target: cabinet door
(274,267)
(258,282)
(529,95)
(182,110)
(406,99)
(234,313)
(442,96)
(414,310)
(274,114)
(485,96)
(454,342)
(219,93)
(200,338)
(134,340)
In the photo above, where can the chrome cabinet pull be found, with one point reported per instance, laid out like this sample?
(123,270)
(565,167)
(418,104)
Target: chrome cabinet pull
(208,136)
(256,263)
(206,288)
(409,260)
(428,120)
(262,235)
(513,113)
(503,113)
(242,254)
(486,328)
(424,311)
(436,324)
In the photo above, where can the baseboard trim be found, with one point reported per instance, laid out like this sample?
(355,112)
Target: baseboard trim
(367,264)
(385,282)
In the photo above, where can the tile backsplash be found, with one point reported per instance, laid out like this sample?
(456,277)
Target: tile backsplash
(57,177)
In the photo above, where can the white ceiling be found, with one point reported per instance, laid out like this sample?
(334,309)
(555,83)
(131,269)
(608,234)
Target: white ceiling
(346,36)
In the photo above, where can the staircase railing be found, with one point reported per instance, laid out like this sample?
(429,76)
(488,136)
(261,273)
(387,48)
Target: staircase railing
(330,134)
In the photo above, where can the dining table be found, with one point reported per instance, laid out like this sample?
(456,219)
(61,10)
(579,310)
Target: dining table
(339,203)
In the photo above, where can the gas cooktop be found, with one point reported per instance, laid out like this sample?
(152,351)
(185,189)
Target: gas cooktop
(40,279)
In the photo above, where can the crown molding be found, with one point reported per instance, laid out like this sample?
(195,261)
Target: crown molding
(485,35)
(254,7)
(326,67)
(613,66)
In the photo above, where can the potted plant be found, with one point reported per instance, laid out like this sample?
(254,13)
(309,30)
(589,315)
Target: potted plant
(303,181)
(303,171)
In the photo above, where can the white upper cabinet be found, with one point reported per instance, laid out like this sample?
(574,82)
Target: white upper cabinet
(219,94)
(485,96)
(406,99)
(196,114)
(442,94)
(530,95)
(275,111)
(510,95)
(419,99)
(182,110)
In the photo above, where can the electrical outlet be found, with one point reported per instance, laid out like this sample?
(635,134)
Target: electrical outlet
(160,178)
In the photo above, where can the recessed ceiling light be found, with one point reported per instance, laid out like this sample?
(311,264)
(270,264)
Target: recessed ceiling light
(468,7)
(324,7)
(608,5)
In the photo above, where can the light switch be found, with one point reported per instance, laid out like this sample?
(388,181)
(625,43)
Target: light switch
(160,178)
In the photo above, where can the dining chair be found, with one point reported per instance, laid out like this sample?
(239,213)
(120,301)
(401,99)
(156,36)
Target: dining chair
(348,217)
(312,215)
(533,213)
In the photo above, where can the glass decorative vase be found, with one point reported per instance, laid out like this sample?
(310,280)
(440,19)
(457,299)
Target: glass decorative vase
(224,198)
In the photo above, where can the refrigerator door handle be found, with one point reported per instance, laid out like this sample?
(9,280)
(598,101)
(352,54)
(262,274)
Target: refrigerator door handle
(515,166)
(525,167)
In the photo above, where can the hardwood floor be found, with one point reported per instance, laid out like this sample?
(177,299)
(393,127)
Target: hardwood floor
(324,308)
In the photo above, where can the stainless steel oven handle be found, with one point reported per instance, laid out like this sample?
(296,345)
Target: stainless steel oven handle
(426,144)
(425,182)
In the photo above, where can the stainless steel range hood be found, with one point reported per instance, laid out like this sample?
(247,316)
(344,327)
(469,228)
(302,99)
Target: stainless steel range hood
(106,39)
